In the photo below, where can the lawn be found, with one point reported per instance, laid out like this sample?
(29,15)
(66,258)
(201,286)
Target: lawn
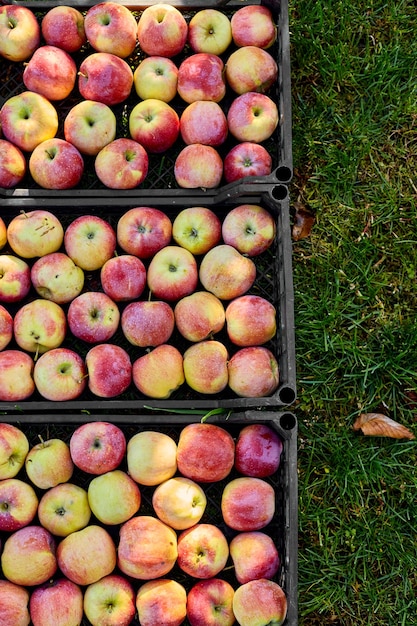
(354,108)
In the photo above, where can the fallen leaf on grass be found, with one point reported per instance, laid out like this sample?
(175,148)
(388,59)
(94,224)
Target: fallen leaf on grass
(303,221)
(380,425)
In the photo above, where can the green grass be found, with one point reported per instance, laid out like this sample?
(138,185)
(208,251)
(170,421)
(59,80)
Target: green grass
(354,105)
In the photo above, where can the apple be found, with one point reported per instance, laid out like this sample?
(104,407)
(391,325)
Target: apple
(259,602)
(251,69)
(105,77)
(209,30)
(60,374)
(247,159)
(253,25)
(110,601)
(159,372)
(90,126)
(151,457)
(147,548)
(97,447)
(51,71)
(56,164)
(248,503)
(111,27)
(154,124)
(123,277)
(258,451)
(252,116)
(179,502)
(172,273)
(109,370)
(64,509)
(249,228)
(254,555)
(6,327)
(39,325)
(3,233)
(90,241)
(49,463)
(27,119)
(250,320)
(253,372)
(18,504)
(28,556)
(35,233)
(203,551)
(203,121)
(20,33)
(210,603)
(198,229)
(56,603)
(198,165)
(16,382)
(156,77)
(12,165)
(14,602)
(114,497)
(199,316)
(142,231)
(201,77)
(14,446)
(93,317)
(162,30)
(205,452)
(148,323)
(122,164)
(56,277)
(63,26)
(226,273)
(162,601)
(86,555)
(15,280)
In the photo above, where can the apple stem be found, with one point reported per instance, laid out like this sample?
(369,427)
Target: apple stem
(41,439)
(80,380)
(23,212)
(82,74)
(35,358)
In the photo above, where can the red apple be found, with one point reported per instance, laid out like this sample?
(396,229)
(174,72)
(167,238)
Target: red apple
(253,372)
(205,452)
(249,228)
(148,323)
(258,451)
(27,119)
(162,601)
(16,381)
(252,116)
(154,124)
(198,229)
(105,77)
(18,504)
(111,27)
(247,159)
(122,164)
(201,77)
(123,277)
(15,280)
(51,71)
(109,370)
(63,26)
(110,601)
(248,503)
(254,555)
(210,603)
(35,233)
(56,277)
(90,241)
(209,30)
(142,231)
(60,374)
(199,316)
(198,165)
(6,327)
(253,25)
(162,30)
(250,320)
(203,551)
(56,603)
(39,325)
(156,77)
(251,69)
(49,463)
(260,601)
(28,556)
(226,273)
(14,446)
(12,164)
(14,602)
(172,273)
(56,164)
(93,317)
(90,126)
(205,366)
(203,121)
(97,447)
(19,32)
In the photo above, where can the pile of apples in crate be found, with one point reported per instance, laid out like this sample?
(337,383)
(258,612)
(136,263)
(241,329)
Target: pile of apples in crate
(152,276)
(107,76)
(79,539)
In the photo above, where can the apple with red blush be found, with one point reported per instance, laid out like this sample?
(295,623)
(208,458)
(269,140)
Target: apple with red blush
(205,366)
(60,374)
(56,277)
(27,119)
(14,446)
(198,166)
(90,126)
(18,504)
(198,229)
(179,502)
(48,463)
(250,320)
(13,164)
(105,77)
(156,77)
(122,164)
(151,457)
(143,230)
(6,327)
(20,33)
(199,316)
(252,116)
(56,603)
(63,26)
(14,603)
(56,164)
(109,370)
(29,556)
(250,228)
(159,372)
(123,277)
(16,382)
(204,122)
(253,372)
(261,601)
(35,233)
(51,71)
(210,603)
(15,280)
(248,503)
(154,124)
(111,27)
(39,326)
(251,68)
(90,241)
(162,30)
(148,323)
(203,550)
(93,317)
(254,555)
(201,77)
(161,601)
(205,452)
(97,447)
(172,273)
(110,601)
(247,159)
(253,25)
(3,233)
(226,273)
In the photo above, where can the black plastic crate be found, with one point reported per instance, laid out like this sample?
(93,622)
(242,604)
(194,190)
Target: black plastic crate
(274,282)
(160,176)
(283,527)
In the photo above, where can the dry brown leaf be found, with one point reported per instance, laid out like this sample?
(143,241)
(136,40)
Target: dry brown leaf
(379,425)
(303,221)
